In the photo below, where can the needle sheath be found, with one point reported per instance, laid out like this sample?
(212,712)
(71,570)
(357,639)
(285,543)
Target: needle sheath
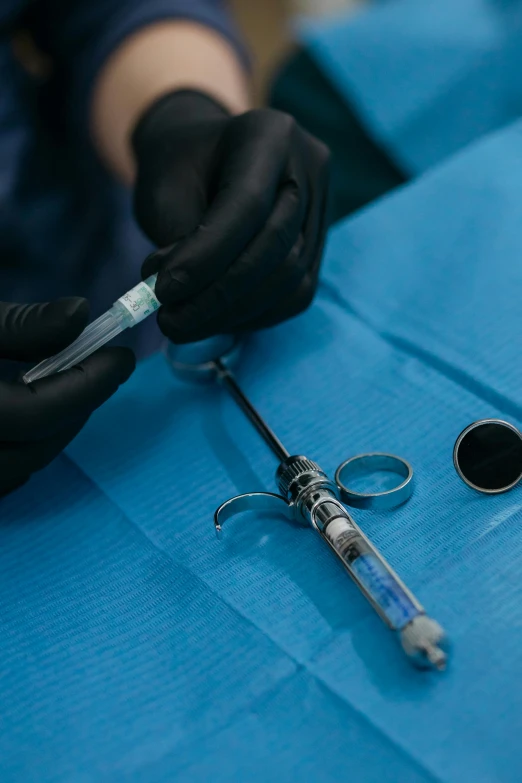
(126,312)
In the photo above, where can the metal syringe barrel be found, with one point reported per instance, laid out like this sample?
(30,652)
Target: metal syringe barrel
(314,497)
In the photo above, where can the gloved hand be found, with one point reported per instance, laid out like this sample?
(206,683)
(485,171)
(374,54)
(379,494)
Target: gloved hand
(39,420)
(247,197)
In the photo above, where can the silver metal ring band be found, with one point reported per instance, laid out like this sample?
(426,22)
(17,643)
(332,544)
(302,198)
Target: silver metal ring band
(378,501)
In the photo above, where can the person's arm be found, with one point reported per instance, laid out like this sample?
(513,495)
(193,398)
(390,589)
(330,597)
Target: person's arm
(235,199)
(92,42)
(161,58)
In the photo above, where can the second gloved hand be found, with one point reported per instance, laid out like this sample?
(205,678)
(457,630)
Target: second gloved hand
(246,195)
(39,420)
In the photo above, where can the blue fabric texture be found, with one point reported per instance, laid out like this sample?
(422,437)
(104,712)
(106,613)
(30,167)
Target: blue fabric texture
(136,647)
(426,78)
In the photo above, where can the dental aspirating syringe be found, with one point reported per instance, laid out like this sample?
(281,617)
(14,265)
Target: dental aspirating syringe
(127,311)
(310,497)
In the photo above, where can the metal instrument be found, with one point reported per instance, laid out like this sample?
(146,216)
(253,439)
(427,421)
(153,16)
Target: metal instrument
(307,495)
(488,456)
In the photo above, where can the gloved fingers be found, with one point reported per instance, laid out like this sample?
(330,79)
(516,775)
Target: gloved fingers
(288,306)
(316,222)
(254,156)
(299,299)
(175,143)
(157,259)
(281,283)
(318,159)
(170,200)
(283,286)
(36,411)
(315,234)
(297,295)
(18,461)
(269,250)
(29,332)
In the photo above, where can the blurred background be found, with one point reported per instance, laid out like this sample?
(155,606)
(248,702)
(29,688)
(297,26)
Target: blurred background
(267,26)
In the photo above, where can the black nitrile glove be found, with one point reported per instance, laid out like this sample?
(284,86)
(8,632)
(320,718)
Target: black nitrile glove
(246,196)
(39,420)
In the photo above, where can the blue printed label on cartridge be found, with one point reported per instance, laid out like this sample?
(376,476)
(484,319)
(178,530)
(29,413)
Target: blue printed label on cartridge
(385,590)
(140,301)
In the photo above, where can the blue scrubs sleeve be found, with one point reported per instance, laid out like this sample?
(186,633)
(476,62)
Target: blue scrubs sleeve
(81,35)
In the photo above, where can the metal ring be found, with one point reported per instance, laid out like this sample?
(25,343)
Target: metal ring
(379,501)
(194,362)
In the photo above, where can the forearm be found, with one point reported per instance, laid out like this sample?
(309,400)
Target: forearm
(158,59)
